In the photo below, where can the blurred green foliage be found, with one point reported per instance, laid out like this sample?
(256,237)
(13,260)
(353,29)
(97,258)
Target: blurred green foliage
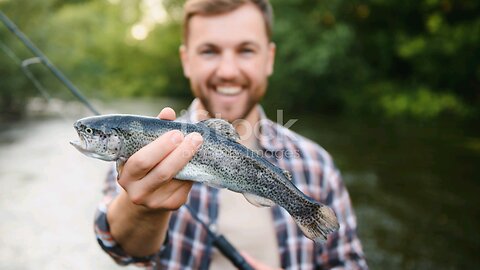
(418,59)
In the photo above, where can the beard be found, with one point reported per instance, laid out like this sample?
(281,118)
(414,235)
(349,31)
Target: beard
(247,99)
(229,113)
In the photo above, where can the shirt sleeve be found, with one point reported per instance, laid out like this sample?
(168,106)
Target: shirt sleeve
(343,249)
(102,228)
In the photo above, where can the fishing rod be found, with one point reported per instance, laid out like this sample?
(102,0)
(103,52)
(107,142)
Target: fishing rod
(45,61)
(222,244)
(218,240)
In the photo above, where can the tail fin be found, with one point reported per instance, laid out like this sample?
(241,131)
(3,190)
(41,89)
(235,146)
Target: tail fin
(318,223)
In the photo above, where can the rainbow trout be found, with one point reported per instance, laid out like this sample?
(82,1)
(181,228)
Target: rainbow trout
(220,162)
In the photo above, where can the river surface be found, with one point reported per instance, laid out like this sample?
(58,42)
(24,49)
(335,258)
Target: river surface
(415,189)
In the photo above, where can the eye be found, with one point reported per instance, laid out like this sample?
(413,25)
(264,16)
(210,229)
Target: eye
(208,51)
(89,131)
(247,51)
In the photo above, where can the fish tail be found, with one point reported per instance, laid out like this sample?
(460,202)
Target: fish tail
(318,222)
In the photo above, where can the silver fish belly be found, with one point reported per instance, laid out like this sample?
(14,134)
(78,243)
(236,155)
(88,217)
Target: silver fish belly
(220,162)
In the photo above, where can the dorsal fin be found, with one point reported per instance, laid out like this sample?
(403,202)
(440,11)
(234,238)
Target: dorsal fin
(223,127)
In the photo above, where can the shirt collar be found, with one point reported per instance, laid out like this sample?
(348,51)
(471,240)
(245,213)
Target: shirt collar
(268,135)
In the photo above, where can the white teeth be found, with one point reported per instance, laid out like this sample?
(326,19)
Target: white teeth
(230,90)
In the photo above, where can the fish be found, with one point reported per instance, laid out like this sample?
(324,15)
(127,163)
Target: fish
(220,162)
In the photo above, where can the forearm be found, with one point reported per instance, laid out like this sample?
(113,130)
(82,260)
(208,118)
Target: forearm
(138,231)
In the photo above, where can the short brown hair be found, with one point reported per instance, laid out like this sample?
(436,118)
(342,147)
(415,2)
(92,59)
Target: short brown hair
(215,7)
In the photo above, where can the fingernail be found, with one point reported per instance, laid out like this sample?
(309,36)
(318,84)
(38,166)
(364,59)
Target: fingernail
(176,137)
(195,138)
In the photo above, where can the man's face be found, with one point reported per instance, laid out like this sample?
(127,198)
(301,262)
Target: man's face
(228,59)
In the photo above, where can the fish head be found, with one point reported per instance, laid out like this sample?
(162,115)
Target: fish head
(97,140)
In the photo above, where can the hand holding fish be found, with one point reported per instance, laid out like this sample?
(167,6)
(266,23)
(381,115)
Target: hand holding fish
(147,175)
(141,211)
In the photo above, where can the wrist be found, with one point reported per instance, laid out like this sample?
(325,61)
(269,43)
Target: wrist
(138,230)
(122,206)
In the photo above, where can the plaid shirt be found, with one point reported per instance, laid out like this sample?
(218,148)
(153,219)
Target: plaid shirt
(188,246)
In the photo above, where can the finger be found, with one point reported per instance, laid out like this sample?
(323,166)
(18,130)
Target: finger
(140,163)
(167,113)
(170,196)
(174,162)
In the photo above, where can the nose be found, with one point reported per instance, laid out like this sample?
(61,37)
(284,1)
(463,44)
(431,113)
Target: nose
(228,67)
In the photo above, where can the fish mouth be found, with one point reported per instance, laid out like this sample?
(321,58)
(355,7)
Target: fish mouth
(80,144)
(83,147)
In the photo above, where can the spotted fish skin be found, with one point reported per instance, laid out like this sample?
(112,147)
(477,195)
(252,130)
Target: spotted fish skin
(220,162)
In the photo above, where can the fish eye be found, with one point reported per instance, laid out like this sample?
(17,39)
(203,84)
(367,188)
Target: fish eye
(88,131)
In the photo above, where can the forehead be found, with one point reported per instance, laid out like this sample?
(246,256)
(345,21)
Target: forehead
(244,24)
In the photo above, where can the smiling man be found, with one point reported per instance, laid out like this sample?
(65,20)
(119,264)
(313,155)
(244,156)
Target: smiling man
(227,56)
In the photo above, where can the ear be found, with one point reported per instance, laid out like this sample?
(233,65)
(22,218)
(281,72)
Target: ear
(271,58)
(184,58)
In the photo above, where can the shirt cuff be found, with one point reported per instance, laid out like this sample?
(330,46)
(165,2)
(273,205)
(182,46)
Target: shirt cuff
(112,248)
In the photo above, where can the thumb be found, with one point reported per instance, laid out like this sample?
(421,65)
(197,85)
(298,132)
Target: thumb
(167,113)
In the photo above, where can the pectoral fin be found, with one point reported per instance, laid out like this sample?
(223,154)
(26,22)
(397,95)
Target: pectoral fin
(119,165)
(258,201)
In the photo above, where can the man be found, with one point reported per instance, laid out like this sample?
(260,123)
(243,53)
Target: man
(227,55)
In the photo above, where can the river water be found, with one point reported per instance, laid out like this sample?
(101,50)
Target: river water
(415,188)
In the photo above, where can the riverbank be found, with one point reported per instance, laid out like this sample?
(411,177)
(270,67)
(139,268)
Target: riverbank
(47,200)
(50,191)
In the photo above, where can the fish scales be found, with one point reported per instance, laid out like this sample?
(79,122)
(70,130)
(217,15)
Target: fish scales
(220,162)
(252,175)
